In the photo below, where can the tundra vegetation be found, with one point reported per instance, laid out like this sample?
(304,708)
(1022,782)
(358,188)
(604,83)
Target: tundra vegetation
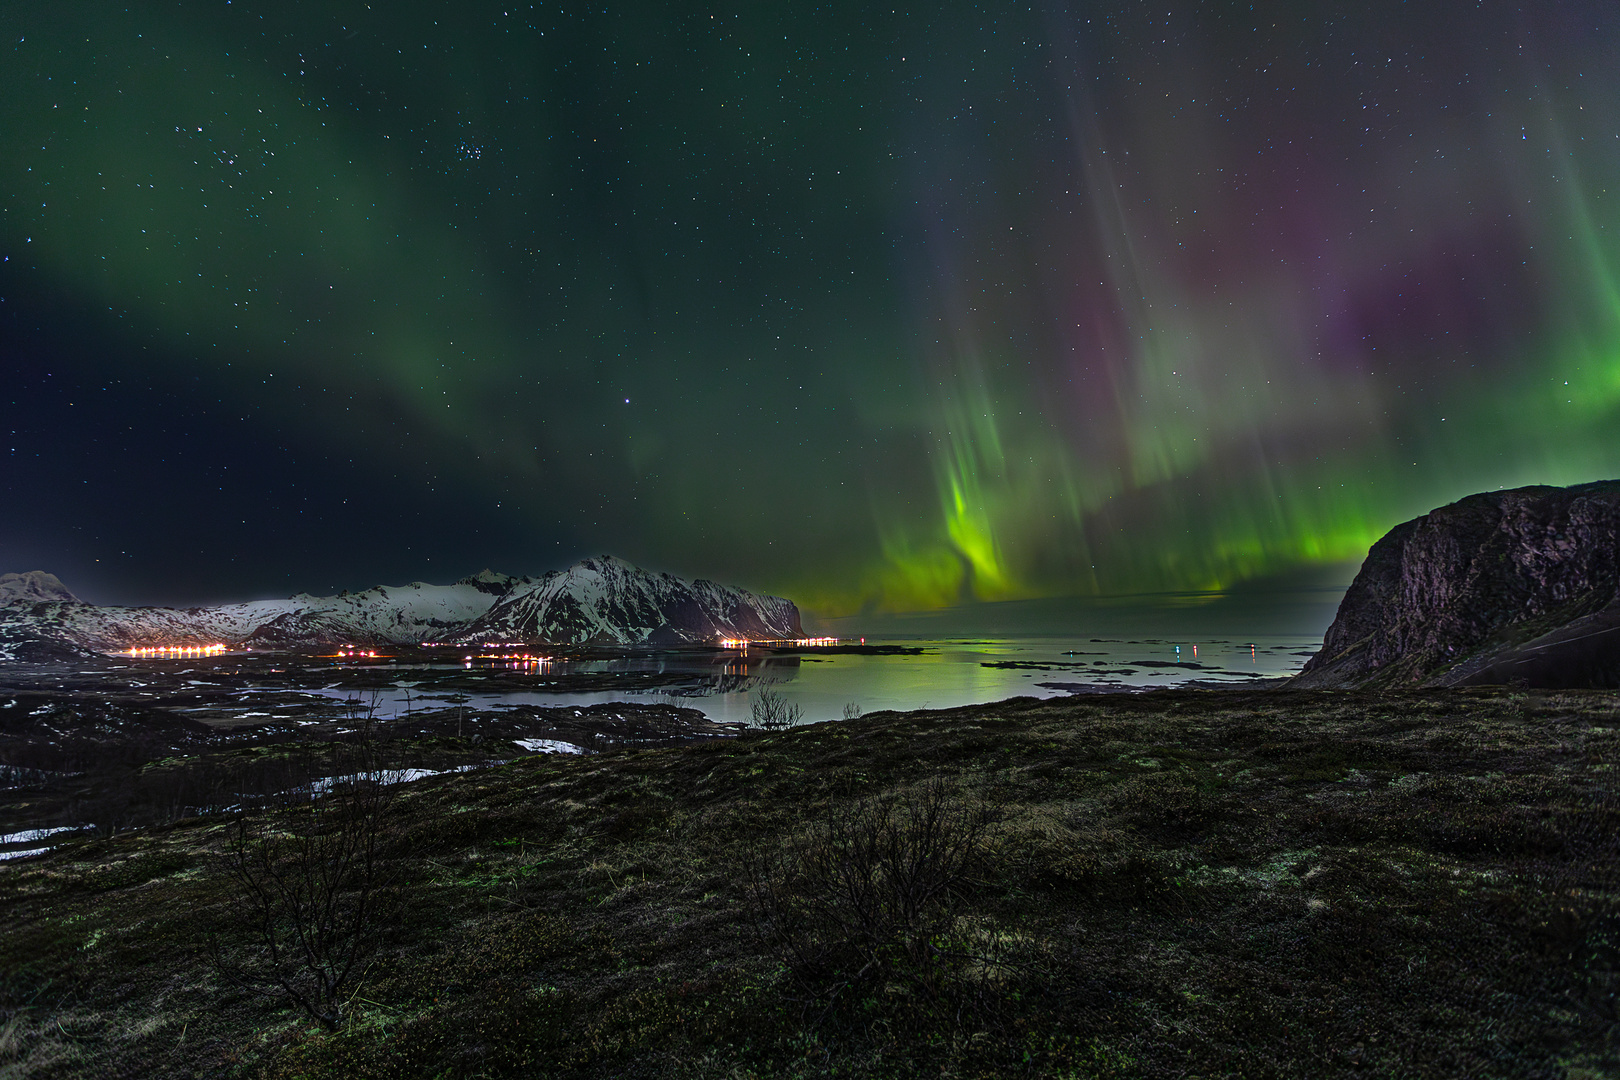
(1179,883)
(313,896)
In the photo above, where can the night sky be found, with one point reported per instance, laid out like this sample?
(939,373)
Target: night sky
(885,310)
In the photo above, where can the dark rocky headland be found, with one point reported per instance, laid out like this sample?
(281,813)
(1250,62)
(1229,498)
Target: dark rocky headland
(1517,587)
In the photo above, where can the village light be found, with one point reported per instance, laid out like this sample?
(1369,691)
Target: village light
(175,652)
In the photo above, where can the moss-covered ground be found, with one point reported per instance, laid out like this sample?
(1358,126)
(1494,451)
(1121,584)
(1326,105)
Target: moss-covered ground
(1174,884)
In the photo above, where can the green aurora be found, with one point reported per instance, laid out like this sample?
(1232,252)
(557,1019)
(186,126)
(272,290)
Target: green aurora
(884,311)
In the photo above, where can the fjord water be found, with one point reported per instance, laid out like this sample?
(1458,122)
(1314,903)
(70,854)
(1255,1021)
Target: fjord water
(960,672)
(944,674)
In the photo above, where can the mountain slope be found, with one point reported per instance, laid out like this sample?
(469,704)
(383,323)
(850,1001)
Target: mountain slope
(602,600)
(605,600)
(34,585)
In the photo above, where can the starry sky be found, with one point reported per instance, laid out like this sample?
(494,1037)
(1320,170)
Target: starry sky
(888,310)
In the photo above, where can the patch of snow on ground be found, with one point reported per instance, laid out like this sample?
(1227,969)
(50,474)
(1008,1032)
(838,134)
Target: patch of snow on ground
(549,746)
(391,776)
(30,835)
(4,855)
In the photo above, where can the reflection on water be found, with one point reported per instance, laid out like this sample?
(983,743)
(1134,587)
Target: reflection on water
(827,686)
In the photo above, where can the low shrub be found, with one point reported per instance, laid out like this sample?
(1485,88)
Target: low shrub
(868,901)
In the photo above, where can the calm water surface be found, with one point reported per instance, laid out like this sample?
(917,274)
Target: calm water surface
(947,673)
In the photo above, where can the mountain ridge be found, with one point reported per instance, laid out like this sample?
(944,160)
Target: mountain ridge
(600,600)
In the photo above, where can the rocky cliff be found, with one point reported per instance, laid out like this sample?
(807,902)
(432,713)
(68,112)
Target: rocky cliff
(1516,587)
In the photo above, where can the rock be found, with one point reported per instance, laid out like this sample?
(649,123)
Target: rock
(1504,587)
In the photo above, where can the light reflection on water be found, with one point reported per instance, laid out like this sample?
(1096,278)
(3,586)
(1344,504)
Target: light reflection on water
(948,673)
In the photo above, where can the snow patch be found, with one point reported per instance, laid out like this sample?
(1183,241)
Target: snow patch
(4,855)
(549,746)
(28,836)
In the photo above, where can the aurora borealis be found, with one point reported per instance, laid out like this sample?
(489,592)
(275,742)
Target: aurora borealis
(883,310)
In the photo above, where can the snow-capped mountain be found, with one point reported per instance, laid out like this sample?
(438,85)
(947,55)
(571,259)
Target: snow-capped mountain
(603,600)
(34,585)
(31,628)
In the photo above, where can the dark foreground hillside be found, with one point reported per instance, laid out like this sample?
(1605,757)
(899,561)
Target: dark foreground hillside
(1173,884)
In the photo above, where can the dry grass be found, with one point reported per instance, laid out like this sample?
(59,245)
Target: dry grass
(1174,884)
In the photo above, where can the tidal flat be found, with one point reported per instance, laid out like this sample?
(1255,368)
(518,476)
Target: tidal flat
(1173,883)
